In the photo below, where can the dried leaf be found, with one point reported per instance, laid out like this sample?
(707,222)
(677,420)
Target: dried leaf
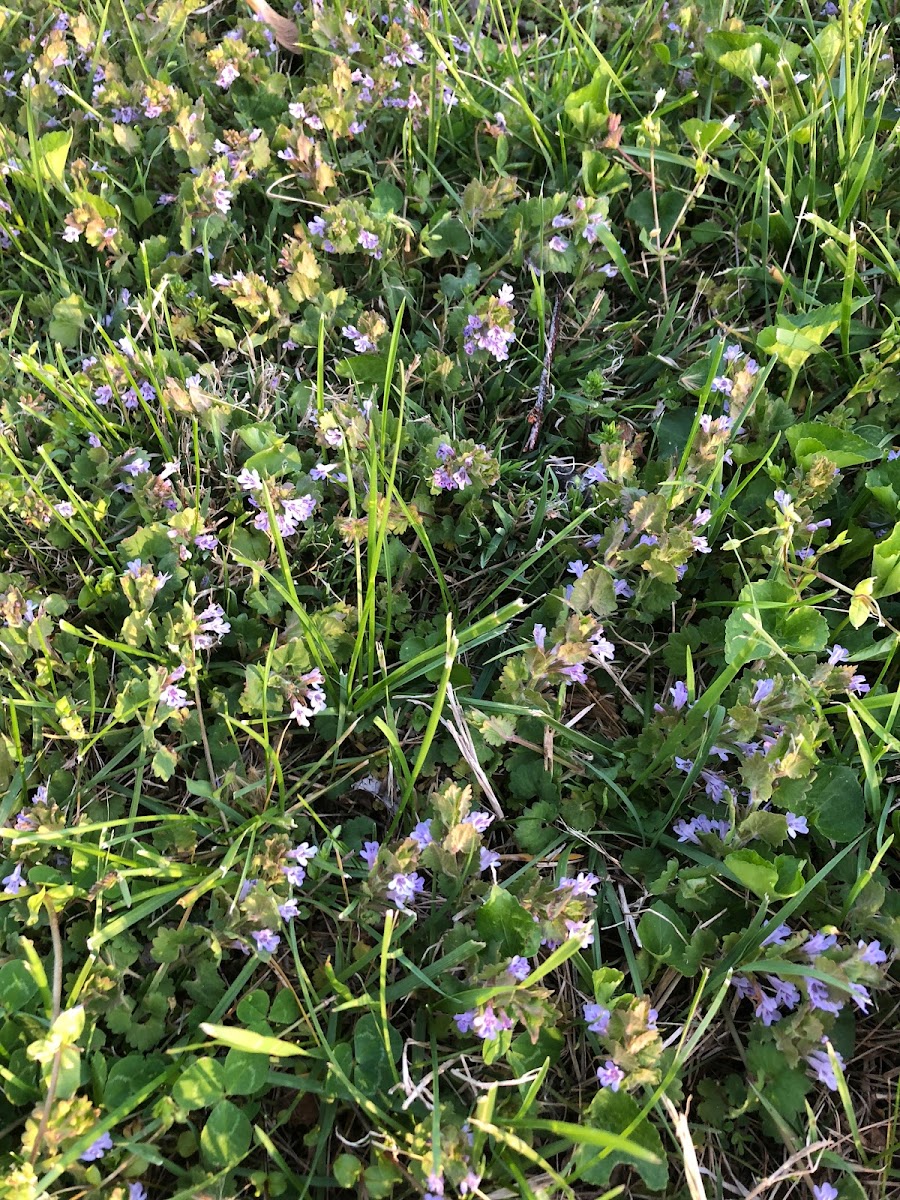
(284,29)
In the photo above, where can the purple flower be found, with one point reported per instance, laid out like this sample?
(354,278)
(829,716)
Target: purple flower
(684,764)
(575,673)
(818,996)
(97,1149)
(722,384)
(303,853)
(470,1183)
(582,930)
(582,885)
(824,1191)
(597,1018)
(558,244)
(778,936)
(288,910)
(13,884)
(610,1075)
(871,953)
(679,694)
(539,633)
(227,76)
(370,241)
(686,831)
(137,1191)
(767,1009)
(786,995)
(479,820)
(266,940)
(369,853)
(861,997)
(743,987)
(858,685)
(838,654)
(596,474)
(488,1025)
(714,786)
(464,1020)
(519,968)
(764,689)
(821,1063)
(577,568)
(819,943)
(138,466)
(174,697)
(487,860)
(421,835)
(796,825)
(403,888)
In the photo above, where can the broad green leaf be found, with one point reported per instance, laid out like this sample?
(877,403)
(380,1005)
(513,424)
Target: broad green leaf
(707,136)
(372,1067)
(504,923)
(346,1169)
(52,152)
(70,317)
(836,804)
(226,1136)
(753,871)
(201,1085)
(16,985)
(613,1113)
(883,482)
(594,592)
(840,446)
(244,1073)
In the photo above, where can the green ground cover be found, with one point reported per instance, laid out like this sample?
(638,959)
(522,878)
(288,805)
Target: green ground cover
(449,600)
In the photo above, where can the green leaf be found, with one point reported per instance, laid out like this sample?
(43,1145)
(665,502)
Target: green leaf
(372,1068)
(164,762)
(793,339)
(226,1136)
(254,1043)
(836,804)
(753,871)
(613,1113)
(244,1073)
(346,1169)
(707,136)
(16,985)
(594,592)
(128,1076)
(201,1085)
(765,879)
(69,318)
(884,483)
(446,235)
(886,564)
(770,826)
(51,153)
(840,446)
(504,923)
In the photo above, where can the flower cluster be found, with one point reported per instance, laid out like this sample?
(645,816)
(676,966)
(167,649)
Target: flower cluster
(805,1008)
(492,327)
(462,467)
(291,511)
